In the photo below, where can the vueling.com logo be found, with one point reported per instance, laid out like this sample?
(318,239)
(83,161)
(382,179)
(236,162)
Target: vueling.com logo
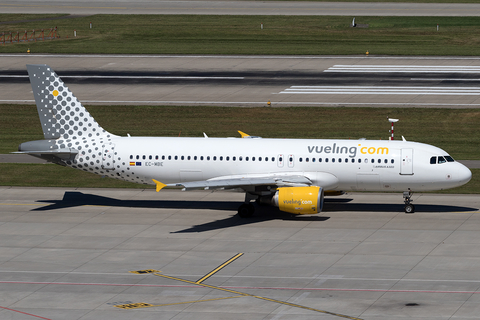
(297,202)
(351,151)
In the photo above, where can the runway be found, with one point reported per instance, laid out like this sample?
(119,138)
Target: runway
(69,253)
(242,8)
(285,81)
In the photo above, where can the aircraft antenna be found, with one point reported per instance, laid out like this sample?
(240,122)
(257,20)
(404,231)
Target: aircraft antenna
(392,121)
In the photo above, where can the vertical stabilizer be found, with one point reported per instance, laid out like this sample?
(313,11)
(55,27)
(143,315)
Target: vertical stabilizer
(62,116)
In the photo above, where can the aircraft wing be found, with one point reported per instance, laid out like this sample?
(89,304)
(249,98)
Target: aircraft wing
(242,182)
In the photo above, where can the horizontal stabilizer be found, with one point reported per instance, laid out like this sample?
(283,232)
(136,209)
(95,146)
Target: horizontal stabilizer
(65,153)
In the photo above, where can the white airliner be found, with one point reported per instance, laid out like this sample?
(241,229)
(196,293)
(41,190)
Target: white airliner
(293,174)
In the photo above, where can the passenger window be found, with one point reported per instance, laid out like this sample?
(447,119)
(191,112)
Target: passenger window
(339,159)
(386,161)
(373,161)
(144,157)
(240,158)
(392,161)
(169,157)
(273,158)
(441,160)
(313,159)
(433,160)
(246,158)
(156,157)
(227,158)
(234,158)
(353,160)
(266,158)
(259,158)
(163,157)
(208,158)
(150,157)
(300,159)
(214,158)
(306,159)
(131,156)
(188,158)
(182,157)
(138,157)
(201,158)
(280,159)
(326,159)
(379,160)
(195,158)
(176,157)
(333,159)
(221,158)
(291,159)
(253,158)
(319,159)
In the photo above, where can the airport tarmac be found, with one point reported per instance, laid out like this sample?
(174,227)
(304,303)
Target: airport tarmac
(69,253)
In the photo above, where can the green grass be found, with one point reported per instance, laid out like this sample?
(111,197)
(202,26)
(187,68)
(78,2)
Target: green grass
(454,130)
(283,35)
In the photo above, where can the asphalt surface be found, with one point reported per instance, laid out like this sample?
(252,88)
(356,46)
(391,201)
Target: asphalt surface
(241,8)
(69,253)
(439,82)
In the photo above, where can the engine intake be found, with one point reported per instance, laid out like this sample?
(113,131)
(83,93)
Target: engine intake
(299,200)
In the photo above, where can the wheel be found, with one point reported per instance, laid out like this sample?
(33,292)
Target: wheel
(409,208)
(246,210)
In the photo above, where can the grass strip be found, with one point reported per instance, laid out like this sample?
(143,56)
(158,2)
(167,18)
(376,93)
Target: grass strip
(233,35)
(454,130)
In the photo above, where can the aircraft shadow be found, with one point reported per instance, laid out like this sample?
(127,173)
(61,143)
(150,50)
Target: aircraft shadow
(264,213)
(334,206)
(75,199)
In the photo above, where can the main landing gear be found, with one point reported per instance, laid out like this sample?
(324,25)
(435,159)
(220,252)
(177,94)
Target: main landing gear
(247,209)
(407,196)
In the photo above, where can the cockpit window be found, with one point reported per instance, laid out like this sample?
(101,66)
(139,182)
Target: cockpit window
(433,160)
(449,159)
(441,159)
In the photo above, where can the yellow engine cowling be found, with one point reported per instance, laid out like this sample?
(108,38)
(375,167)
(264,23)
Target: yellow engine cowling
(299,200)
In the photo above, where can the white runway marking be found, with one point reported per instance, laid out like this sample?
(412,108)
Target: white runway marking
(378,90)
(402,69)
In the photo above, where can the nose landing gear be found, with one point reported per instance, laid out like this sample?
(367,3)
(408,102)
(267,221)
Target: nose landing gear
(407,196)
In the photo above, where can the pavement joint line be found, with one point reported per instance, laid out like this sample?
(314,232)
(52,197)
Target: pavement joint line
(220,267)
(258,297)
(243,288)
(25,313)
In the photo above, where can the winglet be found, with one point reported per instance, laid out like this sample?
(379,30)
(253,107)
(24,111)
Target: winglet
(160,185)
(243,134)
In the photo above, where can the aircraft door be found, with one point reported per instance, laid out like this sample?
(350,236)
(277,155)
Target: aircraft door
(280,160)
(406,166)
(291,160)
(108,156)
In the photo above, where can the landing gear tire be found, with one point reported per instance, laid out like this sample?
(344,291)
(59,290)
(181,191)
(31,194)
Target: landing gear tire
(246,210)
(409,208)
(407,196)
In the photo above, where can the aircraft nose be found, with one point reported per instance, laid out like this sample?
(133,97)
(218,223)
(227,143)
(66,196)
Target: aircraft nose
(463,174)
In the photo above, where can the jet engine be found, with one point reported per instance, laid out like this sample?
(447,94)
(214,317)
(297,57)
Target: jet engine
(299,200)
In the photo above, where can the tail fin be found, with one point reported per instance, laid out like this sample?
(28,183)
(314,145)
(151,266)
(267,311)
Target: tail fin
(61,114)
